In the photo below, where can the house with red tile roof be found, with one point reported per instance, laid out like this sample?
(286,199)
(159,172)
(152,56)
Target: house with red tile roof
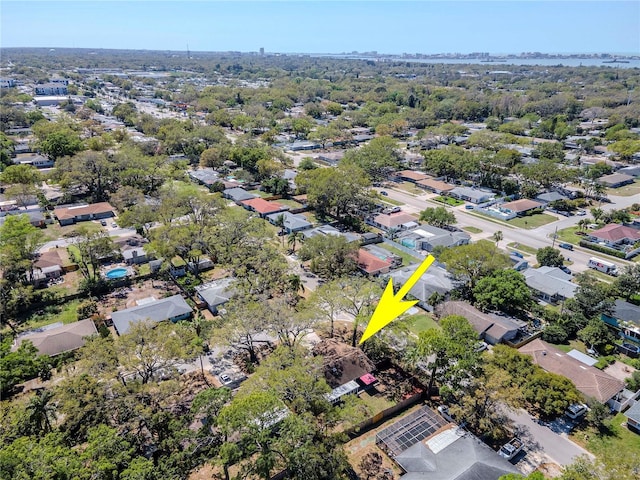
(372,265)
(591,381)
(619,237)
(263,207)
(84,213)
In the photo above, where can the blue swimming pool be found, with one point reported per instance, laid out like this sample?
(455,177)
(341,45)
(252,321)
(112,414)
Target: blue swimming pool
(117,273)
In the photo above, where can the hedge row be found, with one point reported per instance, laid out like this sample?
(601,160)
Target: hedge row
(600,248)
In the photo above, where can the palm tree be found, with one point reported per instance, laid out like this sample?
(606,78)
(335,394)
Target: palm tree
(293,238)
(279,222)
(497,236)
(597,214)
(582,224)
(41,412)
(198,325)
(393,233)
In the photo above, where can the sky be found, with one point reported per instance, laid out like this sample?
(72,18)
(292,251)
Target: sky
(327,26)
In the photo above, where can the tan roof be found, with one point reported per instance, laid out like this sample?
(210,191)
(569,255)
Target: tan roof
(521,205)
(589,380)
(394,219)
(50,258)
(412,175)
(93,209)
(61,339)
(436,185)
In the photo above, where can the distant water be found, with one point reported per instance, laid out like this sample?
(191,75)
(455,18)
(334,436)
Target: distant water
(545,62)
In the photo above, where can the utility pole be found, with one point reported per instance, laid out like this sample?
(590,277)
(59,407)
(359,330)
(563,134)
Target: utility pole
(555,235)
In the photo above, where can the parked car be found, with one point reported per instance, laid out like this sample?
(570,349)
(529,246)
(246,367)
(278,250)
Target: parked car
(469,207)
(103,223)
(114,225)
(225,379)
(566,246)
(576,410)
(511,448)
(581,213)
(516,254)
(383,193)
(565,270)
(444,411)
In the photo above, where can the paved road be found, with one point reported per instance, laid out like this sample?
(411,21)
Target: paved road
(540,439)
(536,238)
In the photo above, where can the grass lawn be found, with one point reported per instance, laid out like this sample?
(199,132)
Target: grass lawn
(409,188)
(532,221)
(260,193)
(568,235)
(55,231)
(66,313)
(375,404)
(420,322)
(292,204)
(406,258)
(573,344)
(472,229)
(599,275)
(618,442)
(454,202)
(143,269)
(626,191)
(390,201)
(522,248)
(311,217)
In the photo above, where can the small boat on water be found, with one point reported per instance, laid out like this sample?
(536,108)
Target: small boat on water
(615,60)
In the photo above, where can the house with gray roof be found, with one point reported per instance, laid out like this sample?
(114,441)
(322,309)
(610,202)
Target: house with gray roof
(326,230)
(171,308)
(625,318)
(428,237)
(237,194)
(216,293)
(616,180)
(135,256)
(292,222)
(435,280)
(550,284)
(470,194)
(549,197)
(633,418)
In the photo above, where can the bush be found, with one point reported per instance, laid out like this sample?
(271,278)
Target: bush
(633,382)
(554,334)
(600,248)
(604,362)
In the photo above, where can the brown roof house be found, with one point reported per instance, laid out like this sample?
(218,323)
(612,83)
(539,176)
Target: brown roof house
(83,213)
(399,220)
(57,338)
(372,265)
(491,328)
(435,186)
(591,381)
(520,207)
(411,175)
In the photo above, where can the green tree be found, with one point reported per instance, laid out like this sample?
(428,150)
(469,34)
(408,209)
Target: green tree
(293,239)
(331,256)
(22,181)
(377,159)
(504,290)
(549,257)
(596,334)
(90,248)
(628,282)
(82,405)
(147,348)
(19,244)
(470,263)
(449,352)
(438,217)
(22,364)
(60,143)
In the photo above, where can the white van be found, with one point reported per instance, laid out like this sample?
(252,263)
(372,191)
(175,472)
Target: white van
(603,266)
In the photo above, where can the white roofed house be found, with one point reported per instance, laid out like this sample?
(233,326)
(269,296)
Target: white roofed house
(215,294)
(550,284)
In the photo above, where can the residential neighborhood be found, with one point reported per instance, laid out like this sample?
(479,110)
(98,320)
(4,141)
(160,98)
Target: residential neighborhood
(191,248)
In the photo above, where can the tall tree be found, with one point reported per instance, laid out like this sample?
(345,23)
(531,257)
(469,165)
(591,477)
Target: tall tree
(549,257)
(470,263)
(22,181)
(504,290)
(438,217)
(331,256)
(449,352)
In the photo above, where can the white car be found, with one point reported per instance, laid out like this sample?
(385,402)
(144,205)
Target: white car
(224,379)
(576,410)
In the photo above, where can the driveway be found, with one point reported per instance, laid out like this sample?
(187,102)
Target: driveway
(541,439)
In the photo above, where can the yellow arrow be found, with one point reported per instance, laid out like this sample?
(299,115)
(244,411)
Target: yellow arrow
(392,306)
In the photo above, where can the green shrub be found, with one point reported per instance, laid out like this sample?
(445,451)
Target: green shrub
(600,248)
